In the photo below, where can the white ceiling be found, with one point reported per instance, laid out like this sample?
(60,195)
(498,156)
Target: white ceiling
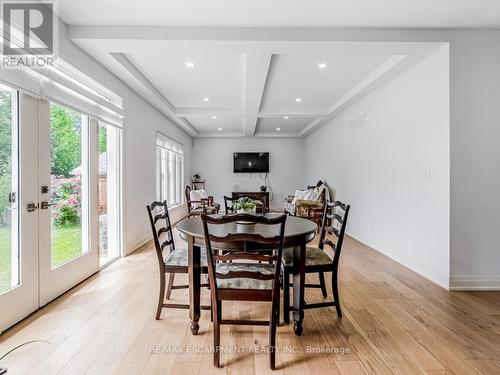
(187,87)
(284,13)
(244,81)
(294,76)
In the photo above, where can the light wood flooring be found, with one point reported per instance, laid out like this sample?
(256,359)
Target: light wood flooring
(395,321)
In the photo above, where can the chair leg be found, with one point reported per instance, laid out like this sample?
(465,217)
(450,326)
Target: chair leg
(171,277)
(335,289)
(286,297)
(217,316)
(323,284)
(161,295)
(272,331)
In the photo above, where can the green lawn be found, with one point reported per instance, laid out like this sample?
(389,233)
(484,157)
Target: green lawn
(4,258)
(66,244)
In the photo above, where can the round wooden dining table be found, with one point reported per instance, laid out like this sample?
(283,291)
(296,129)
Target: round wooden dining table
(298,232)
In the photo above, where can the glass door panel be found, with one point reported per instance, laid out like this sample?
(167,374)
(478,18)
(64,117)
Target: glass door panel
(109,193)
(18,207)
(67,197)
(9,249)
(68,245)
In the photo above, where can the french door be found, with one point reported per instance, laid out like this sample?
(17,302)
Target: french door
(50,204)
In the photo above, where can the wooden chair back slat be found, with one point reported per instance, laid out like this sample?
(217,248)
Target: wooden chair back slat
(244,237)
(332,230)
(158,213)
(336,212)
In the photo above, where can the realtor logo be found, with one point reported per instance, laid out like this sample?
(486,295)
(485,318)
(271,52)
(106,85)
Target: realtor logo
(29,30)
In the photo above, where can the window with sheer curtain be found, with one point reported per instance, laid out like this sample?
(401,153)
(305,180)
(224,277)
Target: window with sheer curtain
(169,170)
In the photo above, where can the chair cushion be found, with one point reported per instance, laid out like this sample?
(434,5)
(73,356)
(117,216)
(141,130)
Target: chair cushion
(314,257)
(311,195)
(194,195)
(179,257)
(244,283)
(199,211)
(203,194)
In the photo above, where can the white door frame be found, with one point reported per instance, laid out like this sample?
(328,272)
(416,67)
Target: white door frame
(22,300)
(38,282)
(54,282)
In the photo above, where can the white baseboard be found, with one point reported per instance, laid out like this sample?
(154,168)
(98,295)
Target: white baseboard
(474,283)
(137,246)
(414,264)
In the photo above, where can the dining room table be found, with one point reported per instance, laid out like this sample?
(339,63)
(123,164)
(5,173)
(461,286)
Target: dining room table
(298,232)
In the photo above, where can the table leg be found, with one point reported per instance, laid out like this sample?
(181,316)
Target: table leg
(194,285)
(299,275)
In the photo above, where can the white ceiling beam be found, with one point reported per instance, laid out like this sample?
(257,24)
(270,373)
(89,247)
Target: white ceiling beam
(164,104)
(221,135)
(291,114)
(257,68)
(278,135)
(112,32)
(208,111)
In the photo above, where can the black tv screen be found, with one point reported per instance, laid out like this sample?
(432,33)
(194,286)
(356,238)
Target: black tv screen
(251,162)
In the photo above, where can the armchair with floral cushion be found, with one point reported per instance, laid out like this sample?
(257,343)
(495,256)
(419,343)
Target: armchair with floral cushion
(307,203)
(199,202)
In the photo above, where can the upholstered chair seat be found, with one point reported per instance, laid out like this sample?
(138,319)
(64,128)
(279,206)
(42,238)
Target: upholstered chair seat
(245,283)
(314,257)
(179,257)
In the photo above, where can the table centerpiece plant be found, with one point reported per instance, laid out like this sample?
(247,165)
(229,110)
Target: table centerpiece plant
(244,205)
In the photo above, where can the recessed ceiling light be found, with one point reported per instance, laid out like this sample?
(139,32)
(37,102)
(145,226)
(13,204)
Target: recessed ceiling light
(219,129)
(322,65)
(298,100)
(285,117)
(206,99)
(278,129)
(190,64)
(214,117)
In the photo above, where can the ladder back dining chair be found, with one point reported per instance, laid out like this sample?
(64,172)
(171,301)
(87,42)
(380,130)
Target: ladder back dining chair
(242,274)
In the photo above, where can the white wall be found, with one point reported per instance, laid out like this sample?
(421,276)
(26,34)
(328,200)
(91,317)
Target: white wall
(213,159)
(394,169)
(475,159)
(140,126)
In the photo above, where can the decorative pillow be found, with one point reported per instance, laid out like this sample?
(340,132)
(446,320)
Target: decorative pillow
(311,195)
(300,194)
(194,195)
(203,194)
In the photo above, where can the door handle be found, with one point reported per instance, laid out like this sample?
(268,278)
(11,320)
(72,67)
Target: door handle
(30,207)
(46,205)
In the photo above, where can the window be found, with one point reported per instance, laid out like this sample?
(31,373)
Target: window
(169,170)
(9,250)
(109,192)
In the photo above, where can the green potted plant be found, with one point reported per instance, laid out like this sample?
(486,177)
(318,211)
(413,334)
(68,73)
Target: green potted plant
(244,205)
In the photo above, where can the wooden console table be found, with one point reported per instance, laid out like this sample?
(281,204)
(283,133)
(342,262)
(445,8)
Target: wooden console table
(262,196)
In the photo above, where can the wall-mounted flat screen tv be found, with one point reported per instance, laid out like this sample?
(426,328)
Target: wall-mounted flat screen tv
(251,162)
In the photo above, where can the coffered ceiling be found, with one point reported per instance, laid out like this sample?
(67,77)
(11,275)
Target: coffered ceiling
(259,68)
(225,83)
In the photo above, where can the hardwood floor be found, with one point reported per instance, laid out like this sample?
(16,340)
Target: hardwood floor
(394,322)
